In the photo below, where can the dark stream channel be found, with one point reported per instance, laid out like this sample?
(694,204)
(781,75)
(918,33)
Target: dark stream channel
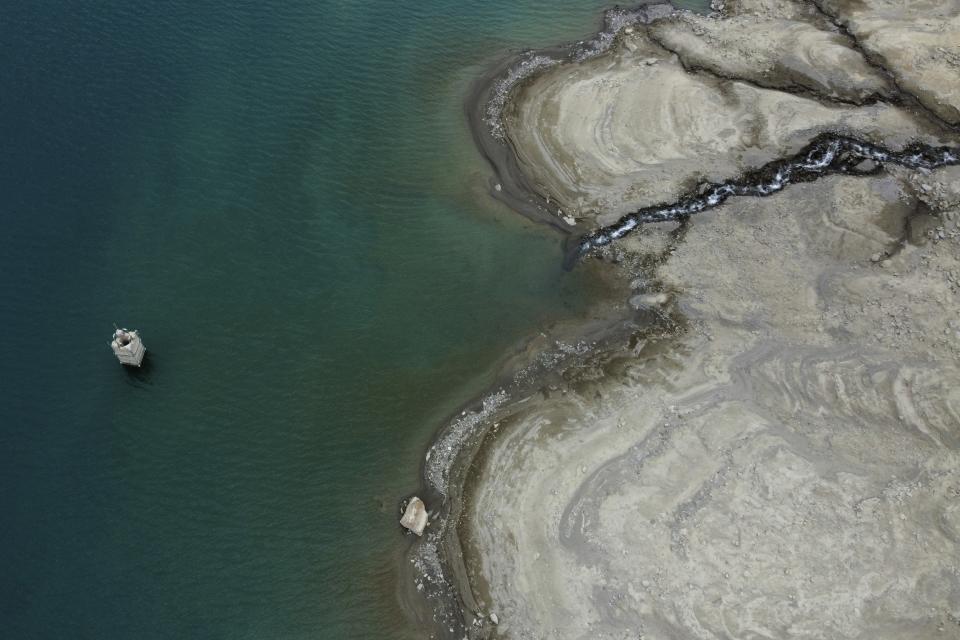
(827,154)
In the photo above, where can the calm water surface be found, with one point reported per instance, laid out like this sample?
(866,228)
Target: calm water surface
(285,199)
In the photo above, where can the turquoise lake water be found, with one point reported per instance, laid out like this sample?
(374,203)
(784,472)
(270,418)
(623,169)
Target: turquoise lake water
(286,201)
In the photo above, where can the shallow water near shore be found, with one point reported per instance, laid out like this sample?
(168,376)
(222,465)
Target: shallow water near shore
(286,201)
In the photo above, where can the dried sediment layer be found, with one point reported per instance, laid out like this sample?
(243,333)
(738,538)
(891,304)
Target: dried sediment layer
(828,154)
(775,52)
(789,467)
(917,41)
(633,127)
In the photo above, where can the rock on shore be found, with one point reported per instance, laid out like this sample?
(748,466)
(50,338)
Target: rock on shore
(415,516)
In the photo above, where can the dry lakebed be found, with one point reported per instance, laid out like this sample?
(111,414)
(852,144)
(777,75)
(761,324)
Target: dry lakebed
(759,435)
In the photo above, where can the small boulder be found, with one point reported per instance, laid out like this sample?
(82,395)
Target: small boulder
(415,516)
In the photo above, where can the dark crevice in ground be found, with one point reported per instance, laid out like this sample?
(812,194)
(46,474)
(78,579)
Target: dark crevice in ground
(903,97)
(793,89)
(827,154)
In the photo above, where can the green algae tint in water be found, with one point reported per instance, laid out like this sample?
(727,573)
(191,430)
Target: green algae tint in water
(286,201)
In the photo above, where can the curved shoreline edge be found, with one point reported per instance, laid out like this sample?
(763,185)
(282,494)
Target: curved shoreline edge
(437,564)
(489,97)
(442,598)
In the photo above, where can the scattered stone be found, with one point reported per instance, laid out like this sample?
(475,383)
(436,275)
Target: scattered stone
(877,257)
(498,187)
(494,619)
(415,516)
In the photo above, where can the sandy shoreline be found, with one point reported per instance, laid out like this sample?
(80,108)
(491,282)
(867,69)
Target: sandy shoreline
(772,418)
(434,589)
(492,96)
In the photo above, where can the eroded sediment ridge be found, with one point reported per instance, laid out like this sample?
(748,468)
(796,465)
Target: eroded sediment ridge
(828,154)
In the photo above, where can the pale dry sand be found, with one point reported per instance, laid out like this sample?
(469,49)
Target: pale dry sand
(777,52)
(779,455)
(918,41)
(632,127)
(788,467)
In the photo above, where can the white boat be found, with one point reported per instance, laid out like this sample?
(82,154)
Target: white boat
(128,347)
